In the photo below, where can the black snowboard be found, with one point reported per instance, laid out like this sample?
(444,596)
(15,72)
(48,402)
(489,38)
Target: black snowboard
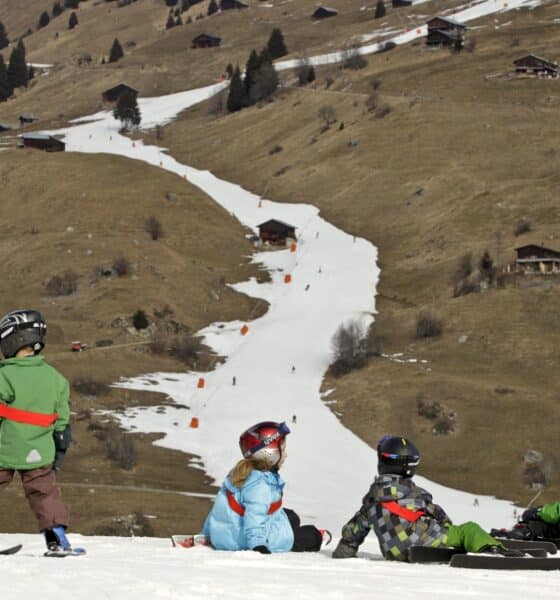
(549,547)
(425,554)
(11,550)
(486,561)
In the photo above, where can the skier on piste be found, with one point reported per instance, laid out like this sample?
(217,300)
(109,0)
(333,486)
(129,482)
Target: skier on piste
(34,422)
(403,515)
(248,513)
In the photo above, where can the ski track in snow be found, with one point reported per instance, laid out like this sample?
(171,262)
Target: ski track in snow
(328,468)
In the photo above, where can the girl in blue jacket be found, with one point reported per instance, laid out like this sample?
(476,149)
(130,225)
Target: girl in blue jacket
(247,513)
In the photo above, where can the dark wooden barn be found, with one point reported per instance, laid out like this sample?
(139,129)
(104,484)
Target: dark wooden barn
(114,93)
(401,3)
(324,13)
(534,65)
(276,232)
(204,40)
(42,141)
(232,4)
(5,127)
(25,119)
(534,258)
(443,31)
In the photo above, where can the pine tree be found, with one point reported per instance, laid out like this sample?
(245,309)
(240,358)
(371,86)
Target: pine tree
(185,4)
(311,74)
(171,2)
(127,111)
(71,4)
(18,74)
(30,72)
(5,87)
(229,70)
(44,20)
(57,10)
(265,79)
(251,68)
(73,20)
(236,97)
(380,9)
(116,52)
(276,46)
(170,22)
(212,7)
(3,37)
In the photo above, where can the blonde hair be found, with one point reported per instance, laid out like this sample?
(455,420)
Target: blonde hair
(240,473)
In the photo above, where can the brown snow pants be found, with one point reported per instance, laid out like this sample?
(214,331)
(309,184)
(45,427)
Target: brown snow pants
(42,495)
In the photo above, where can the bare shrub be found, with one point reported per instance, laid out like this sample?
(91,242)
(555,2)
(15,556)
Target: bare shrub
(468,285)
(135,524)
(153,227)
(305,73)
(383,111)
(464,267)
(276,149)
(353,59)
(487,268)
(534,476)
(444,425)
(470,46)
(159,132)
(522,226)
(86,386)
(387,46)
(375,84)
(349,349)
(375,345)
(121,266)
(429,410)
(372,102)
(119,448)
(428,325)
(328,115)
(62,285)
(218,105)
(187,349)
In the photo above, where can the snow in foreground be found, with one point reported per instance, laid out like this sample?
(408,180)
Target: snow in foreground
(150,569)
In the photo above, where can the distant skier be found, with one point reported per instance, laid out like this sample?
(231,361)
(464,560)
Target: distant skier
(247,513)
(294,419)
(403,514)
(307,287)
(475,502)
(293,368)
(34,422)
(234,380)
(541,522)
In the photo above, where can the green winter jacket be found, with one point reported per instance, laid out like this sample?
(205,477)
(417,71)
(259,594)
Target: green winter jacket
(550,513)
(30,384)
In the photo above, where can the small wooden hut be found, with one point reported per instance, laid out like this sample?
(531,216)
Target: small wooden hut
(537,259)
(205,40)
(276,232)
(42,141)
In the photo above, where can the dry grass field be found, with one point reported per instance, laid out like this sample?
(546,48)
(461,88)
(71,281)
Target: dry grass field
(460,156)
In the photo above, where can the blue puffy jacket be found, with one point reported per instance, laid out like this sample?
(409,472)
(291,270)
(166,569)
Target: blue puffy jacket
(229,531)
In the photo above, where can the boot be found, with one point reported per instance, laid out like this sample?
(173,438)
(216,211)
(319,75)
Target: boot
(501,551)
(56,539)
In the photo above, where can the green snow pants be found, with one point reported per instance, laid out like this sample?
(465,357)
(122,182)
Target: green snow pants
(469,536)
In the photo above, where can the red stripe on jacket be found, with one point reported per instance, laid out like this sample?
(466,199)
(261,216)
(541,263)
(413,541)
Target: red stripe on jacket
(240,509)
(26,416)
(396,509)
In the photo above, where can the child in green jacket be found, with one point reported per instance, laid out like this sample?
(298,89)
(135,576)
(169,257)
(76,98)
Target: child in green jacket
(538,523)
(34,421)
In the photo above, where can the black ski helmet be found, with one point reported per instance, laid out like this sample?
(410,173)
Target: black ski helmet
(21,328)
(397,456)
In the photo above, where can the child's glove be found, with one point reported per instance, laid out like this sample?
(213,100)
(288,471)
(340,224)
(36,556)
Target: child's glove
(531,514)
(344,550)
(261,549)
(62,440)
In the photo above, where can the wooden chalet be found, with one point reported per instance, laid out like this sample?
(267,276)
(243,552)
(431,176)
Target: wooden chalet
(324,13)
(536,259)
(232,4)
(534,65)
(401,3)
(25,119)
(5,127)
(42,141)
(204,40)
(443,31)
(114,93)
(276,232)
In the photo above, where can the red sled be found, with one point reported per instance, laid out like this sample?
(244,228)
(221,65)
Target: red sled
(189,540)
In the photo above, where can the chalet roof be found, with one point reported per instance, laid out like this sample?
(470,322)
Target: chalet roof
(539,246)
(278,222)
(207,36)
(36,136)
(326,9)
(544,60)
(447,20)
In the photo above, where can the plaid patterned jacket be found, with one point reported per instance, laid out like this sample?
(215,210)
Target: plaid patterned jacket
(396,534)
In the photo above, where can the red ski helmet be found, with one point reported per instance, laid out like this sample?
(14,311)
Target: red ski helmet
(262,441)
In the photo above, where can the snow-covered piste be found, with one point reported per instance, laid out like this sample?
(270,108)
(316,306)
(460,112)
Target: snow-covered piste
(333,280)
